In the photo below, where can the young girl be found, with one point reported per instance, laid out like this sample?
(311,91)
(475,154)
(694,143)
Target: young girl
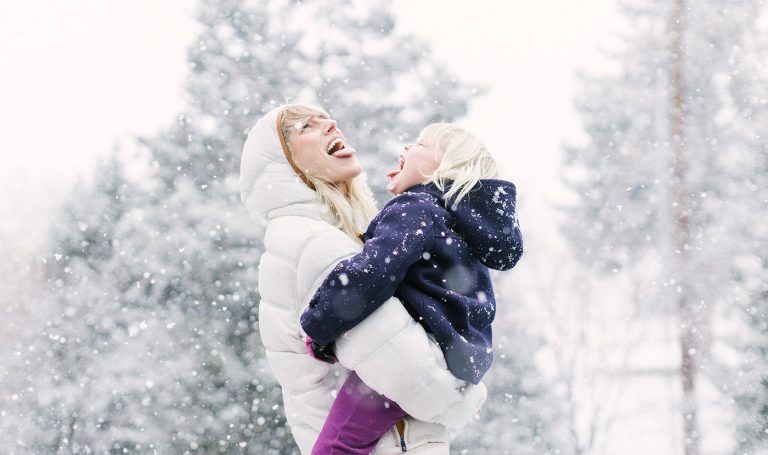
(431,246)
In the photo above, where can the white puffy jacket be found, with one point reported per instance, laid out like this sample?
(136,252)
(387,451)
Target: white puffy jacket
(389,350)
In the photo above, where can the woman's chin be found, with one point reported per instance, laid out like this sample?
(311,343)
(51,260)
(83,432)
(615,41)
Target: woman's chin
(351,169)
(346,177)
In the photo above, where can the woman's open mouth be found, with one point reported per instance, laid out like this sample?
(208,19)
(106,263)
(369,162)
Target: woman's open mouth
(335,145)
(338,149)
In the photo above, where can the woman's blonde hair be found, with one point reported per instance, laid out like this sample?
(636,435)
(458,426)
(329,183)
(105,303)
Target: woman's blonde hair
(465,160)
(351,203)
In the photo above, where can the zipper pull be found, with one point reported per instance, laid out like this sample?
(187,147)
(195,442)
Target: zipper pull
(402,444)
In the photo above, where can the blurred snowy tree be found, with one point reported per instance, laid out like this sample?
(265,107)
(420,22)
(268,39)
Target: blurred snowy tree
(522,415)
(150,342)
(746,117)
(656,178)
(381,86)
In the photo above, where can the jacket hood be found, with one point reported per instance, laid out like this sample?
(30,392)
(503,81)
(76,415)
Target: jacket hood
(487,220)
(267,180)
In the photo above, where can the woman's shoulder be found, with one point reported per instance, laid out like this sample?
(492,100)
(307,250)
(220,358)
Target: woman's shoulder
(294,233)
(300,224)
(311,246)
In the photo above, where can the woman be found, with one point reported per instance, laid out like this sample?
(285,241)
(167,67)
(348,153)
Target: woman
(298,174)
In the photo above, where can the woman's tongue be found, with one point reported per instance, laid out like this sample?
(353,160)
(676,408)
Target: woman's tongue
(346,152)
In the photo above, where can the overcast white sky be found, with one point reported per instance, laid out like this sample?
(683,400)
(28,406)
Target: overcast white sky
(78,77)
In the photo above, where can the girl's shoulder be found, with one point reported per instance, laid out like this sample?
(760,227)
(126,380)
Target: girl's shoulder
(407,207)
(414,197)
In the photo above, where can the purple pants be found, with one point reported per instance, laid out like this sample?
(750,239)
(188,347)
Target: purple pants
(358,418)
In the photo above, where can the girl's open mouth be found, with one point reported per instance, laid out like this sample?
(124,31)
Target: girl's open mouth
(394,172)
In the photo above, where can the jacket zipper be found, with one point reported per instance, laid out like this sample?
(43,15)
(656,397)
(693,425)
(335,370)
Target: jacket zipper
(402,436)
(399,438)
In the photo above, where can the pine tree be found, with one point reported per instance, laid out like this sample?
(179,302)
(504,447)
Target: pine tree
(654,178)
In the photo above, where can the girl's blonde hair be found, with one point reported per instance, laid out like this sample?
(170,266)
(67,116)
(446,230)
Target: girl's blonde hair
(351,203)
(465,160)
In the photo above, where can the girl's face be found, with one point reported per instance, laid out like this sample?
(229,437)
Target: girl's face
(417,164)
(318,149)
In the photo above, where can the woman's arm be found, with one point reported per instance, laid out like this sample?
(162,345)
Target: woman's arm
(359,285)
(389,350)
(307,385)
(394,356)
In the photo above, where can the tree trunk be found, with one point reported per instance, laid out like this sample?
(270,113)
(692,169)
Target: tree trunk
(681,228)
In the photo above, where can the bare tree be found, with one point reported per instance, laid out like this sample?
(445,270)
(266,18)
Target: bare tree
(681,233)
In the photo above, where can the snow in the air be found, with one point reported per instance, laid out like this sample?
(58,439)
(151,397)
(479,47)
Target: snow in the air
(635,133)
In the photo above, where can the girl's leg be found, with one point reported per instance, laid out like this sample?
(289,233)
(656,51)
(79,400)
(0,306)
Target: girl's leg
(358,418)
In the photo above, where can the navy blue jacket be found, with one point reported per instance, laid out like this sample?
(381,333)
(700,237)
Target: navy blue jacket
(435,258)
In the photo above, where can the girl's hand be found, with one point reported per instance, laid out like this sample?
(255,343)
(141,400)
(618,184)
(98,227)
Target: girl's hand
(321,353)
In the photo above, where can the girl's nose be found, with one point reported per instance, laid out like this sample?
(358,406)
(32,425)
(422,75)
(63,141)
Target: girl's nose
(407,147)
(330,126)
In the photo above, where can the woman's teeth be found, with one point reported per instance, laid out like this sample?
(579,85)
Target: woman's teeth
(335,145)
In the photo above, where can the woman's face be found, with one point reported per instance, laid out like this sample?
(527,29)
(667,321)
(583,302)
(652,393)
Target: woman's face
(417,164)
(318,148)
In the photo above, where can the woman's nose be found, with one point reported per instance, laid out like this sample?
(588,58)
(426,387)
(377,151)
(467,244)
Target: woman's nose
(330,126)
(407,147)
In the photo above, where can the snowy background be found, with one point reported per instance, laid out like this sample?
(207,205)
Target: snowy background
(128,288)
